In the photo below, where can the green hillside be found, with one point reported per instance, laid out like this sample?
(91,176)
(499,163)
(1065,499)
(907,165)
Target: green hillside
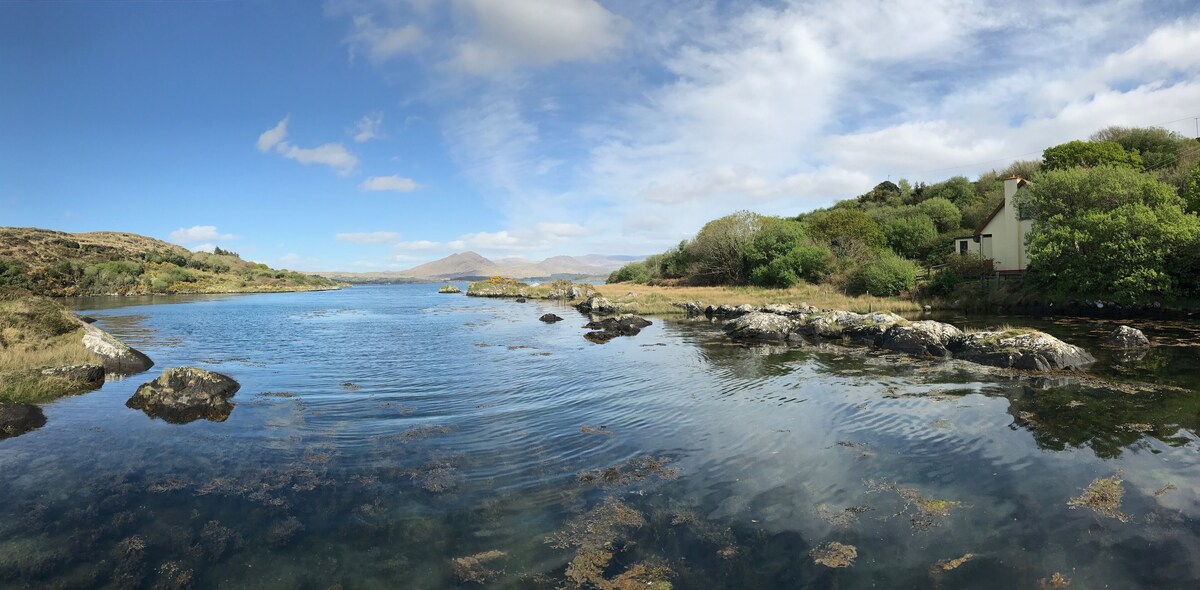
(109,263)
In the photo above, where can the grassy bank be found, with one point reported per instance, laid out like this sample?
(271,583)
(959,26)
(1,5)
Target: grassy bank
(657,300)
(36,333)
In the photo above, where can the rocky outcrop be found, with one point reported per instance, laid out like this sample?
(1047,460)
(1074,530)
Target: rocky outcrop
(521,300)
(550,318)
(925,338)
(184,394)
(117,357)
(728,311)
(1030,350)
(761,326)
(597,305)
(17,419)
(609,328)
(788,309)
(87,376)
(1127,337)
(449,289)
(691,308)
(498,287)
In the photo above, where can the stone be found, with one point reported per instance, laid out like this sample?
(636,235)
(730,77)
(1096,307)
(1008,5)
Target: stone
(117,357)
(17,419)
(596,304)
(550,318)
(788,309)
(691,308)
(1029,350)
(87,375)
(1127,337)
(185,394)
(925,338)
(521,300)
(760,326)
(449,289)
(609,328)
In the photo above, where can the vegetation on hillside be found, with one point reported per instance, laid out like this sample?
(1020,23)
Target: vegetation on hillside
(1140,186)
(37,333)
(105,263)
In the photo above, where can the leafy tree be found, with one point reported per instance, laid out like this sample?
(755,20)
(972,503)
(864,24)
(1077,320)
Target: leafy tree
(634,272)
(1021,169)
(1157,147)
(1107,232)
(957,190)
(847,231)
(884,192)
(1088,154)
(718,253)
(886,275)
(780,255)
(944,214)
(1191,191)
(912,235)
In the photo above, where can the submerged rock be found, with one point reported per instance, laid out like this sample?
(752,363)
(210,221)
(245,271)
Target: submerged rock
(609,328)
(116,356)
(521,300)
(1127,337)
(924,338)
(550,318)
(1030,350)
(185,394)
(761,326)
(17,419)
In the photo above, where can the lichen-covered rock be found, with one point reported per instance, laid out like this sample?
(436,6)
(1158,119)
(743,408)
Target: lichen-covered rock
(550,318)
(761,326)
(788,309)
(1030,350)
(497,287)
(184,394)
(17,419)
(597,304)
(691,308)
(449,289)
(1127,337)
(117,357)
(923,338)
(88,375)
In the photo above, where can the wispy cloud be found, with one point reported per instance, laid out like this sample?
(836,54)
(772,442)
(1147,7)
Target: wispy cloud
(368,127)
(381,43)
(535,32)
(334,155)
(199,233)
(375,237)
(389,183)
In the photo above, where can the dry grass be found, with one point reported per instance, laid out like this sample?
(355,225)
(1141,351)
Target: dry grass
(37,333)
(657,300)
(59,351)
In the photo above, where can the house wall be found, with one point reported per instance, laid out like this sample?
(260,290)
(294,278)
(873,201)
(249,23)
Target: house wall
(1008,233)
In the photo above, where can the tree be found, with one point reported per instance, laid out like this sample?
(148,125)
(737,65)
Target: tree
(942,212)
(1106,232)
(883,192)
(957,190)
(1088,154)
(1157,147)
(718,253)
(886,275)
(911,235)
(1021,169)
(780,255)
(1191,191)
(848,231)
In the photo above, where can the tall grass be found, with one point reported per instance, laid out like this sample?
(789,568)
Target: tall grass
(657,299)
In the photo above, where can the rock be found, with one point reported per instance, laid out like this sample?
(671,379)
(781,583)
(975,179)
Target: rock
(497,287)
(596,304)
(761,326)
(926,309)
(521,300)
(691,308)
(924,338)
(184,394)
(550,318)
(1030,350)
(449,289)
(729,311)
(1127,337)
(17,419)
(788,309)
(867,329)
(609,328)
(88,375)
(116,356)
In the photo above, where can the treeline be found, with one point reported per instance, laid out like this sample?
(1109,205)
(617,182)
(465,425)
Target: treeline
(1112,215)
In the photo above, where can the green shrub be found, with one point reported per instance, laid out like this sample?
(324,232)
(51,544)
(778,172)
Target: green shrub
(12,274)
(884,276)
(912,235)
(944,214)
(634,272)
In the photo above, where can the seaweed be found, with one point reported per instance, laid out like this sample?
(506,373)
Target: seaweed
(834,554)
(1103,496)
(436,476)
(1160,491)
(473,568)
(1054,582)
(842,517)
(924,513)
(634,470)
(282,532)
(603,430)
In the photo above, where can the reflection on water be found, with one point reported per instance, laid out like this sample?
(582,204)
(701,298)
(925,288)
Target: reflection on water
(391,437)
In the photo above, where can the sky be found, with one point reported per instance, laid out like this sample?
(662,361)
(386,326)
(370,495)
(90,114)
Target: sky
(374,135)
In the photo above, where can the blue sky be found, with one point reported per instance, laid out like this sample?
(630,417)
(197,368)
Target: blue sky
(378,134)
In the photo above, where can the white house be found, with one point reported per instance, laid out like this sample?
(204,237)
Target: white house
(1001,237)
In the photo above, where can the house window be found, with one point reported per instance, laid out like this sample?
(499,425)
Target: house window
(962,247)
(1023,212)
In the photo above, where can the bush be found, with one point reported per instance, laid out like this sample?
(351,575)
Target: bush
(718,254)
(885,276)
(12,274)
(944,214)
(634,272)
(1088,154)
(849,232)
(911,236)
(808,261)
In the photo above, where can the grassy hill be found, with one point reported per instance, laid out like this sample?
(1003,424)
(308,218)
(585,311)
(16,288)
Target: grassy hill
(109,263)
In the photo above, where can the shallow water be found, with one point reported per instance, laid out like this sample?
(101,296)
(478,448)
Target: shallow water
(382,432)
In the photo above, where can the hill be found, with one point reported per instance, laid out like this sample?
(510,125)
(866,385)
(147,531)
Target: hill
(56,263)
(470,265)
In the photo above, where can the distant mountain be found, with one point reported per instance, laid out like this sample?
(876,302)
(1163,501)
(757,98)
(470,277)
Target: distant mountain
(469,265)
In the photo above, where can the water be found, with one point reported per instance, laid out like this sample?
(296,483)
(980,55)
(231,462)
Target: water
(382,432)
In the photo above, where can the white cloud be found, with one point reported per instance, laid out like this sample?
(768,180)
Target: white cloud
(560,229)
(383,43)
(375,237)
(333,155)
(536,32)
(290,257)
(389,183)
(204,248)
(199,233)
(368,127)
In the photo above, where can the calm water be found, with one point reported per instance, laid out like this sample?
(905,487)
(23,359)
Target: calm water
(381,432)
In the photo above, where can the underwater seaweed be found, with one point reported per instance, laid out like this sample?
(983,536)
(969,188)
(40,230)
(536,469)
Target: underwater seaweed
(1103,496)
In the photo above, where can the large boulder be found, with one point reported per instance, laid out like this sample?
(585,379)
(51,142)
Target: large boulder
(924,338)
(761,326)
(596,304)
(691,308)
(17,419)
(609,328)
(1127,337)
(117,357)
(86,376)
(184,394)
(1020,349)
(550,318)
(788,309)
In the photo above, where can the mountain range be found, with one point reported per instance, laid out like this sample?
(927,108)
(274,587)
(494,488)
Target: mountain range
(470,265)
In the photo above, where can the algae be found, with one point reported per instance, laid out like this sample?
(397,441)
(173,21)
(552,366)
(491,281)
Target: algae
(1160,491)
(634,470)
(1054,582)
(1103,496)
(585,429)
(834,554)
(841,517)
(924,513)
(473,568)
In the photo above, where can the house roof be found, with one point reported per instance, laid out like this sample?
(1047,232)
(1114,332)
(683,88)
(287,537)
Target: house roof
(979,228)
